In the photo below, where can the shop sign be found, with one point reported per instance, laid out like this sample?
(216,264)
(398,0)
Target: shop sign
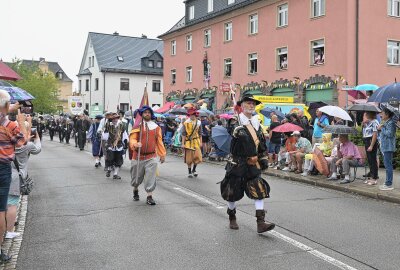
(75,104)
(225,87)
(274,99)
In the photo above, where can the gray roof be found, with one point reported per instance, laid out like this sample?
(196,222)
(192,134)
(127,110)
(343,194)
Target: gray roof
(86,71)
(108,47)
(53,67)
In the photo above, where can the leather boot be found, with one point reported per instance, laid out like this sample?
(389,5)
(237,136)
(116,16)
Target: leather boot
(263,226)
(232,219)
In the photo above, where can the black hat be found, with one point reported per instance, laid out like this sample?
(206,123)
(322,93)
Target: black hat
(248,98)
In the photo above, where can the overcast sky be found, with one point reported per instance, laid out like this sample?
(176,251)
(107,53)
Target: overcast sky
(57,30)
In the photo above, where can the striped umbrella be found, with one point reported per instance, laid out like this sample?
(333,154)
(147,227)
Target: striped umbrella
(340,129)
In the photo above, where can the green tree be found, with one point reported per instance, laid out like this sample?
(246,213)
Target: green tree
(43,86)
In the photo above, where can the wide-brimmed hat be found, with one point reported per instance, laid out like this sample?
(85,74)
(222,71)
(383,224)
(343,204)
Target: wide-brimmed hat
(192,111)
(248,98)
(143,109)
(113,116)
(98,117)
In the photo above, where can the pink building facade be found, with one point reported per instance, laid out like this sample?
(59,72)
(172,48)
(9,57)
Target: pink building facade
(305,49)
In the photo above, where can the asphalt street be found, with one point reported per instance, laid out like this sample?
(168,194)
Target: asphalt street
(79,219)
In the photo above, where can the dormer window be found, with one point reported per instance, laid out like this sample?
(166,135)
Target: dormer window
(151,63)
(159,64)
(60,75)
(120,59)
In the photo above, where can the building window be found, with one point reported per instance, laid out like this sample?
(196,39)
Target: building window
(207,38)
(124,84)
(151,63)
(228,31)
(189,73)
(157,86)
(282,58)
(230,2)
(318,52)
(96,84)
(228,67)
(90,61)
(253,63)
(394,8)
(159,64)
(173,47)
(80,86)
(188,43)
(210,5)
(124,107)
(87,85)
(253,24)
(173,76)
(393,52)
(60,75)
(318,8)
(283,15)
(120,59)
(191,12)
(87,106)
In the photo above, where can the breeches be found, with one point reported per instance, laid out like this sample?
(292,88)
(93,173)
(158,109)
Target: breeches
(147,174)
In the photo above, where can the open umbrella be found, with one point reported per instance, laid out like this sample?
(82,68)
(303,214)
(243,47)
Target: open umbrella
(207,112)
(267,113)
(340,129)
(226,116)
(336,112)
(366,87)
(6,73)
(221,138)
(312,109)
(17,94)
(396,112)
(159,115)
(179,111)
(386,93)
(366,107)
(287,127)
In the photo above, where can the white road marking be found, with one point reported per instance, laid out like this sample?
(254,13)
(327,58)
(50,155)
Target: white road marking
(283,237)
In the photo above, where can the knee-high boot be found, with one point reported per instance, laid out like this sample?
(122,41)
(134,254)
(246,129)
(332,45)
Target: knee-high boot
(262,225)
(232,219)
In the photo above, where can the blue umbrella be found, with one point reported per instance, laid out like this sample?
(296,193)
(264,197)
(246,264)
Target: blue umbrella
(386,93)
(17,94)
(222,138)
(267,113)
(159,115)
(366,87)
(205,111)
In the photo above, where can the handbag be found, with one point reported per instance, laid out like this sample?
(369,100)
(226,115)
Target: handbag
(25,185)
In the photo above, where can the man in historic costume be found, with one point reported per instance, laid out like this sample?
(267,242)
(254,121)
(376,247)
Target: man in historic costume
(61,133)
(192,141)
(95,138)
(116,140)
(52,128)
(243,171)
(82,127)
(68,129)
(147,141)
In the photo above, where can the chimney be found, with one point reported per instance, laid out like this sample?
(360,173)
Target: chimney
(42,59)
(116,33)
(144,36)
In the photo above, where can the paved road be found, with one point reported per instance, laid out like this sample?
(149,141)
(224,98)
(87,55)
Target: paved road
(79,219)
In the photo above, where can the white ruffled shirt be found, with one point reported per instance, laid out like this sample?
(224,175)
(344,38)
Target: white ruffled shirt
(253,121)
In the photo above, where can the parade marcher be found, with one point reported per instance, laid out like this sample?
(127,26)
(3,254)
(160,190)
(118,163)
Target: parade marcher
(243,171)
(40,126)
(95,138)
(60,128)
(68,129)
(147,141)
(52,128)
(82,126)
(100,131)
(192,141)
(116,140)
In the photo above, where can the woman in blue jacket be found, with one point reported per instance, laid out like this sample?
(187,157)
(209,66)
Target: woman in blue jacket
(388,145)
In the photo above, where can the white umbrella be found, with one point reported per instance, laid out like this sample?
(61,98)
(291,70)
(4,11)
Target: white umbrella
(336,112)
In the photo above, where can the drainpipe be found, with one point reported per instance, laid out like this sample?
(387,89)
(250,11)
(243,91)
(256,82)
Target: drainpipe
(357,37)
(104,91)
(90,93)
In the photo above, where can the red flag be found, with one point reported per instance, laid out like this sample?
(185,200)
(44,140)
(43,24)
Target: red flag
(144,102)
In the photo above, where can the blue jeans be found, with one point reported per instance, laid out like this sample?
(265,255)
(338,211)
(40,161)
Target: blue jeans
(387,161)
(5,181)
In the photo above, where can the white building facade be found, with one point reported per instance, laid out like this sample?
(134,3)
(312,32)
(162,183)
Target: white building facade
(115,70)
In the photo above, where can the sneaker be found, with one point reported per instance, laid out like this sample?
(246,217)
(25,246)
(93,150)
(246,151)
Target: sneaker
(108,173)
(4,257)
(305,173)
(286,169)
(116,177)
(136,195)
(11,235)
(195,174)
(345,181)
(385,187)
(150,200)
(190,175)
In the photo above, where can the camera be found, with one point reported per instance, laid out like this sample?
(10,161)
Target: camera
(33,132)
(27,107)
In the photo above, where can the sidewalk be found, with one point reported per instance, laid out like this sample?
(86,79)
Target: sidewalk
(356,187)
